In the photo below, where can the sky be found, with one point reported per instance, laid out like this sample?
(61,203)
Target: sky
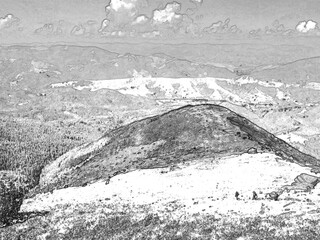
(42,20)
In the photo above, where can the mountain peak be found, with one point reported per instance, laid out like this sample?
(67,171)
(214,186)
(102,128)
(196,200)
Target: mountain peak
(188,133)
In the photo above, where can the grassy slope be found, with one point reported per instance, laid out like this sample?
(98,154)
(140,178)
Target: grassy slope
(83,225)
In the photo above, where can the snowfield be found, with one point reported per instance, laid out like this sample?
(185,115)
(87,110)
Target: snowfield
(206,186)
(190,88)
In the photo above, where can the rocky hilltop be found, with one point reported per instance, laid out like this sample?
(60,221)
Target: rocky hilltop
(180,135)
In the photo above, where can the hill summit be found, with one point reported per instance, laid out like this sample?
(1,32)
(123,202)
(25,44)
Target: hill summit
(188,133)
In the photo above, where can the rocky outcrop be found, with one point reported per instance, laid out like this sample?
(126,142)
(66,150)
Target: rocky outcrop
(13,187)
(303,182)
(187,133)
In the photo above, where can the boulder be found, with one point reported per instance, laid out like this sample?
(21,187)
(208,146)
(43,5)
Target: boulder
(304,182)
(13,187)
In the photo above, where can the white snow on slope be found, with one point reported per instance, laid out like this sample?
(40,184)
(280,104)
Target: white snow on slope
(201,186)
(292,138)
(313,85)
(169,87)
(257,96)
(63,84)
(281,95)
(144,85)
(39,66)
(250,80)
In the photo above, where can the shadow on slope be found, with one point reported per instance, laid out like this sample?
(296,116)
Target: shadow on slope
(187,133)
(22,217)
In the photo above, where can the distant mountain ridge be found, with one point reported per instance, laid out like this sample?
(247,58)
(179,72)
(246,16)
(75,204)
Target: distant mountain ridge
(181,135)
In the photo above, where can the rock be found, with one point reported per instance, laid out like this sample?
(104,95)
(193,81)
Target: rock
(13,187)
(303,182)
(273,196)
(252,151)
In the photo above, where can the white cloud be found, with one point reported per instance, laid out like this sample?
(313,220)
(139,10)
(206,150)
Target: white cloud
(140,20)
(78,30)
(167,14)
(105,23)
(120,13)
(152,34)
(305,27)
(117,5)
(130,16)
(8,20)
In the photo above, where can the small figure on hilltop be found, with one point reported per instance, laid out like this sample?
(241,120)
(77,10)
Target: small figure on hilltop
(237,194)
(254,196)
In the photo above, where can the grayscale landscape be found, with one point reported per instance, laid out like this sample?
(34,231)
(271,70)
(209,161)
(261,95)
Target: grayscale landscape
(140,119)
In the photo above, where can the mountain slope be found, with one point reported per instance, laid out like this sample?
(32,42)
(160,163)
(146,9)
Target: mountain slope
(187,133)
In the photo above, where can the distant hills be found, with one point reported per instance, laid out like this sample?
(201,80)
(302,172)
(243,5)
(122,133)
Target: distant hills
(119,83)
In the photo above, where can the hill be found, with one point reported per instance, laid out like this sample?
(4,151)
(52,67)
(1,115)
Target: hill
(180,135)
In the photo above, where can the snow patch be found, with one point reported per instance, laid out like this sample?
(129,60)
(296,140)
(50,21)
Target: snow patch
(143,84)
(250,80)
(39,66)
(313,85)
(207,184)
(292,138)
(63,84)
(257,96)
(281,95)
(169,87)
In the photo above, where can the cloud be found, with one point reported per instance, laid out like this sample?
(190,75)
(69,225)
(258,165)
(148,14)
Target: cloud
(221,27)
(132,19)
(142,19)
(8,21)
(306,26)
(168,14)
(197,1)
(117,5)
(78,30)
(120,14)
(152,34)
(47,28)
(57,28)
(170,21)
